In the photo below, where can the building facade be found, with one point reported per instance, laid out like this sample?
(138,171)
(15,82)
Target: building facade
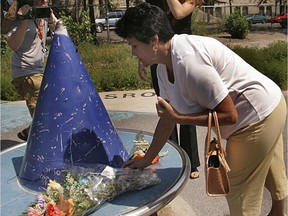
(216,8)
(222,9)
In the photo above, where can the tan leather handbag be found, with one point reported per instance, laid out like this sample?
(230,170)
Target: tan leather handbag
(216,167)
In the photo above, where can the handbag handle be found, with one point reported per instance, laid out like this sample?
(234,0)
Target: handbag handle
(208,137)
(217,128)
(219,139)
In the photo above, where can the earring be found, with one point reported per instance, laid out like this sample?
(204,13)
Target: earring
(155,49)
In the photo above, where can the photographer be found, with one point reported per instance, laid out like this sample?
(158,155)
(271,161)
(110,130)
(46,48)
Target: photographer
(27,40)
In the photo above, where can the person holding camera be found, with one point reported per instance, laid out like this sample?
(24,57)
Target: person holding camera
(27,40)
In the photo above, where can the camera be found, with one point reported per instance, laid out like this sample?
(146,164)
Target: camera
(39,12)
(35,11)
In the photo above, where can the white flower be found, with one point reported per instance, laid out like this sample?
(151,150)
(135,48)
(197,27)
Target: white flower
(53,185)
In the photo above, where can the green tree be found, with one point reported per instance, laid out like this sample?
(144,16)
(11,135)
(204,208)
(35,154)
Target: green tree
(78,31)
(236,25)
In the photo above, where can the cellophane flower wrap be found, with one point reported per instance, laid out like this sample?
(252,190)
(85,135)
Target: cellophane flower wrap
(84,189)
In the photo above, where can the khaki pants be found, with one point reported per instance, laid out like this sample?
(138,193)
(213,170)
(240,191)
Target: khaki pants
(256,158)
(28,88)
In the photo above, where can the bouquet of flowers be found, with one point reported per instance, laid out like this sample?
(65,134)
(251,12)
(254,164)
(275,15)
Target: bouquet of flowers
(84,189)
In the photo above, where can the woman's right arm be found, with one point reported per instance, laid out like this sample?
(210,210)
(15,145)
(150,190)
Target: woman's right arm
(181,10)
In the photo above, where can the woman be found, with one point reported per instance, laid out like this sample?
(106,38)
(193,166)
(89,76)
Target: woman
(197,74)
(179,14)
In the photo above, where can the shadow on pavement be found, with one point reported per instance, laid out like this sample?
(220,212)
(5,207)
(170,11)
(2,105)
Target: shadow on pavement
(5,144)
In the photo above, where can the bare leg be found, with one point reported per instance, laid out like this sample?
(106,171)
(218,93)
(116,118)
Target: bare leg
(278,208)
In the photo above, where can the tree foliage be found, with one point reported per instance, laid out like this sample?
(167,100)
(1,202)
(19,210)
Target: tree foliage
(79,31)
(237,25)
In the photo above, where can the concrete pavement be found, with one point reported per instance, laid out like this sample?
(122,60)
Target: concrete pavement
(136,110)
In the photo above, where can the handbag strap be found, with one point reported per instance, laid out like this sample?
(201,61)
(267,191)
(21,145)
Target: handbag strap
(208,137)
(219,139)
(217,130)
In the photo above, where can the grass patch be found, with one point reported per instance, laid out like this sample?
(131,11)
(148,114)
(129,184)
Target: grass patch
(112,67)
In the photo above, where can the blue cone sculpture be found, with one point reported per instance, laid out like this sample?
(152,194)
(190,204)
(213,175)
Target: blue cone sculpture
(70,125)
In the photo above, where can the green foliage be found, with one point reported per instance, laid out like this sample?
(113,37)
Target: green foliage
(276,51)
(4,45)
(237,25)
(275,65)
(112,67)
(8,91)
(198,25)
(271,61)
(79,32)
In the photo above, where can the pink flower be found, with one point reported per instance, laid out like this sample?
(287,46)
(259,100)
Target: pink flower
(34,212)
(41,201)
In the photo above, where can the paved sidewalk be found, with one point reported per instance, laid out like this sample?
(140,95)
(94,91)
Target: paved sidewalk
(136,110)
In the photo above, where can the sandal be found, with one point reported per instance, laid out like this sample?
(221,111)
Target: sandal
(194,173)
(23,135)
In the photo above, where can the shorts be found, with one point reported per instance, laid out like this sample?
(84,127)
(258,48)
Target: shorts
(28,88)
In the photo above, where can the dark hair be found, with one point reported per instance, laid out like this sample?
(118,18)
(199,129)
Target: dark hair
(143,22)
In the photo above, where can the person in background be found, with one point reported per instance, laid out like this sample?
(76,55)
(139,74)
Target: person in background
(27,40)
(179,14)
(5,4)
(197,74)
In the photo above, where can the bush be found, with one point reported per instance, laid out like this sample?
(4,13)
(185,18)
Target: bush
(275,65)
(79,32)
(236,25)
(8,91)
(271,61)
(251,55)
(112,67)
(200,27)
(4,45)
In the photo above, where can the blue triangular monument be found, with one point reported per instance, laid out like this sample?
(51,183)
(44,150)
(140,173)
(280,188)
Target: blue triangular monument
(70,125)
